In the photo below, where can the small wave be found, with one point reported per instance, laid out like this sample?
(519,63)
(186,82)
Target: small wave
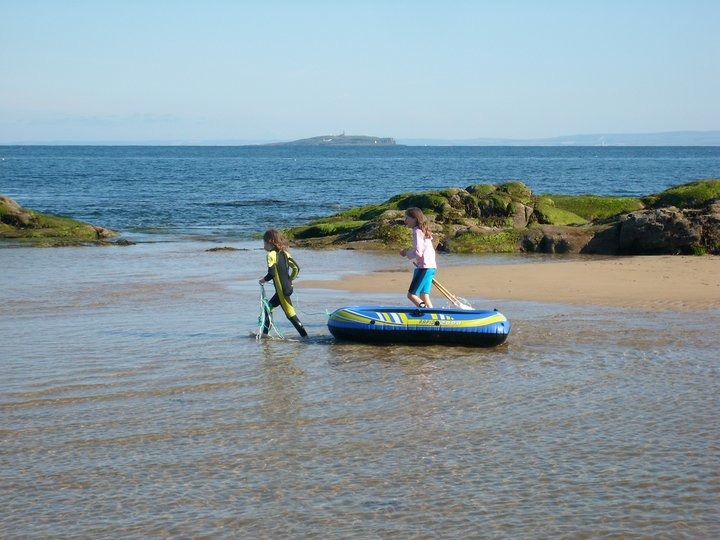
(272,202)
(255,202)
(55,402)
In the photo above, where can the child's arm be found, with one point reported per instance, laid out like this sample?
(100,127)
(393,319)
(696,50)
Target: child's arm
(293,267)
(271,261)
(418,245)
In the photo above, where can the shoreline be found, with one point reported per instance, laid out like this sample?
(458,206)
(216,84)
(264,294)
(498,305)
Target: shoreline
(661,282)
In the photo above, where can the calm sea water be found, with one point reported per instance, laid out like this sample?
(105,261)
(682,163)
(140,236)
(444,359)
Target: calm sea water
(133,404)
(228,193)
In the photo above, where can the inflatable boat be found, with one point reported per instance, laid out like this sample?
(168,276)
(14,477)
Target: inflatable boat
(399,324)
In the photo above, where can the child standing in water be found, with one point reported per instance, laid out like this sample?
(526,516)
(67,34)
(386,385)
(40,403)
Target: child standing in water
(282,270)
(423,255)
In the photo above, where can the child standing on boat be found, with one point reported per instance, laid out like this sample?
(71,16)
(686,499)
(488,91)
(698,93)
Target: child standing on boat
(282,270)
(423,255)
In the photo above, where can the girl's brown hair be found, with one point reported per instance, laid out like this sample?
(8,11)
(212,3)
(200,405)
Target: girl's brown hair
(422,222)
(276,239)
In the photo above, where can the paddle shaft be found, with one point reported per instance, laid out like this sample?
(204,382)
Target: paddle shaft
(447,294)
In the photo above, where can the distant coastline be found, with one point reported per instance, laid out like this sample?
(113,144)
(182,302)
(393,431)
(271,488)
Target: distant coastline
(669,138)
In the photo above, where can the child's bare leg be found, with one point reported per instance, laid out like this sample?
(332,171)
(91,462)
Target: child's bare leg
(425,297)
(415,299)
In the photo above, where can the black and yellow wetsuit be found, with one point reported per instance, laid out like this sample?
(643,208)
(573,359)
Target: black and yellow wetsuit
(282,270)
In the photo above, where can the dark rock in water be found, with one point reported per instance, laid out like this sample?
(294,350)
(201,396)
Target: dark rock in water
(224,248)
(102,232)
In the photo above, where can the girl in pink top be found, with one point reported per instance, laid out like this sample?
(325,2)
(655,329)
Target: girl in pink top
(423,255)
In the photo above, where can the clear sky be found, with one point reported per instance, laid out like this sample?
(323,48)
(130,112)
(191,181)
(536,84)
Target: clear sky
(267,70)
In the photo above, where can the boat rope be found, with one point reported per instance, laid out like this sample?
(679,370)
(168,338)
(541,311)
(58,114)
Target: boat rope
(266,311)
(296,304)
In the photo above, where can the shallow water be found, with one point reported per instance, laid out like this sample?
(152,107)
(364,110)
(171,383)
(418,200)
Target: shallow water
(134,404)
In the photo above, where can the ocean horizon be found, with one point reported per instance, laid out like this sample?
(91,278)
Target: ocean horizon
(663,138)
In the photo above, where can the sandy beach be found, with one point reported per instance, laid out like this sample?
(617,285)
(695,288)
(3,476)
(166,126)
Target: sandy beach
(669,283)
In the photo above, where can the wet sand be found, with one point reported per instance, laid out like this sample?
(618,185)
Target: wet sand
(669,283)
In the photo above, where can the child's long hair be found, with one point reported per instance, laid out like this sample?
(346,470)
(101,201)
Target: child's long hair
(276,239)
(422,221)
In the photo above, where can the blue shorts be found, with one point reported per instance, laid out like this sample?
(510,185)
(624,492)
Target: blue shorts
(421,281)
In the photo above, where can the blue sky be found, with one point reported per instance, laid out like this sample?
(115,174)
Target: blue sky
(221,70)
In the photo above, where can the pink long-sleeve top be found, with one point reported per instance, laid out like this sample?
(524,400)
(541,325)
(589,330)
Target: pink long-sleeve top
(423,252)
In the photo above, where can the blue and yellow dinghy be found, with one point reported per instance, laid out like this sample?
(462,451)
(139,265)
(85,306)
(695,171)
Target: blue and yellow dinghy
(399,324)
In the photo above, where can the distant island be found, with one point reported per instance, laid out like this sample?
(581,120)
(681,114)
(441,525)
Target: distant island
(340,140)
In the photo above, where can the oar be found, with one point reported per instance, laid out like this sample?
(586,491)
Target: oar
(447,294)
(450,296)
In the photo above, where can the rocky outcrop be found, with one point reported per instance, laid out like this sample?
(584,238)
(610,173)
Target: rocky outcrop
(671,231)
(556,239)
(12,214)
(660,230)
(17,223)
(508,218)
(710,223)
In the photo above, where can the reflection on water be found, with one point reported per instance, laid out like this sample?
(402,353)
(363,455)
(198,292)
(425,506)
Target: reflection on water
(133,404)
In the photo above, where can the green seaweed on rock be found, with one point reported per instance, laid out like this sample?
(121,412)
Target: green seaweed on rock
(690,195)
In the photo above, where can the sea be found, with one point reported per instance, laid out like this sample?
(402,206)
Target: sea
(135,401)
(234,193)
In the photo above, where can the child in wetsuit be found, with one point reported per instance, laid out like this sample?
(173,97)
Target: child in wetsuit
(423,255)
(282,270)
